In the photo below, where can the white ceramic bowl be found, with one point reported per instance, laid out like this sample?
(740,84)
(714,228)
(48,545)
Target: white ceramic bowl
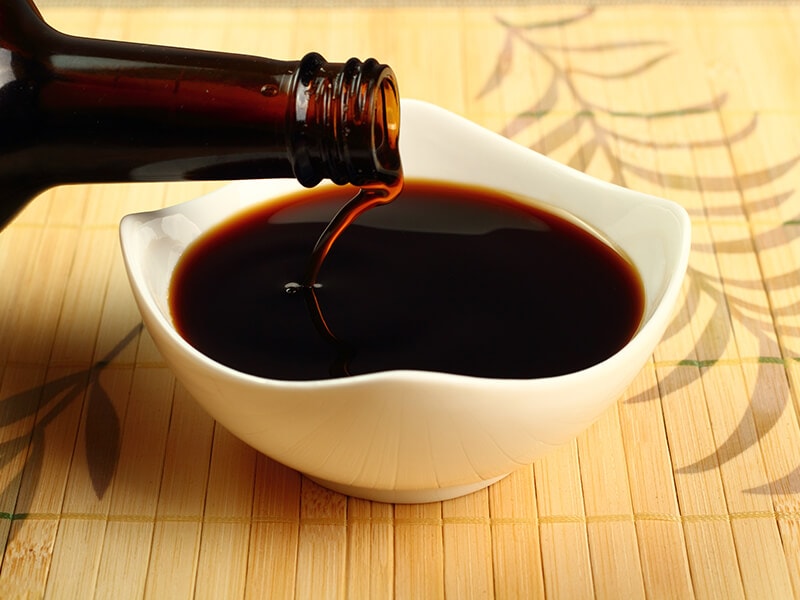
(409,436)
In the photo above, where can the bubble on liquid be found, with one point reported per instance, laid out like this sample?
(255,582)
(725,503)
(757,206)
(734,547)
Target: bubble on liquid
(293,287)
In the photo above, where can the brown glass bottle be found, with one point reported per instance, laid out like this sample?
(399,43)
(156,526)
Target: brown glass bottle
(78,110)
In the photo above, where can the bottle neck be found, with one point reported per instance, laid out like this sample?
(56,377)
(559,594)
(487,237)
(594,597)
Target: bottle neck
(77,110)
(346,122)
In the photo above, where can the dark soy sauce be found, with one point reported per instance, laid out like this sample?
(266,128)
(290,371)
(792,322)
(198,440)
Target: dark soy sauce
(446,278)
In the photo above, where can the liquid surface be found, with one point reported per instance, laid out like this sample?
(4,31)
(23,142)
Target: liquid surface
(445,278)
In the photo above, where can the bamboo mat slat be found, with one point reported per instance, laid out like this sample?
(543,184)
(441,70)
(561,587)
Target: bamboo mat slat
(114,483)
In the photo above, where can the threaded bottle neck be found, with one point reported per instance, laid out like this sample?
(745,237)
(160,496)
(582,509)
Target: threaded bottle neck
(344,122)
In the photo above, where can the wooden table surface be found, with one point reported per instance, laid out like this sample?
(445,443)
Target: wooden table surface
(115,484)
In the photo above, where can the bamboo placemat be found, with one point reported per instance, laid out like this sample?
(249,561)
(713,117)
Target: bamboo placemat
(114,484)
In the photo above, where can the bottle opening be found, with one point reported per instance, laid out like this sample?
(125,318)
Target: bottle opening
(386,130)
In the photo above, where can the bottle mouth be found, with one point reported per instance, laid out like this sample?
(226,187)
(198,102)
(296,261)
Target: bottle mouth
(386,129)
(347,123)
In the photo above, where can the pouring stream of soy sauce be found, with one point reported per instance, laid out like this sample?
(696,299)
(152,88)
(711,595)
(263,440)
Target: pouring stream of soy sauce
(368,197)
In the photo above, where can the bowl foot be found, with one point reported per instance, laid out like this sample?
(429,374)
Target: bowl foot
(406,496)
